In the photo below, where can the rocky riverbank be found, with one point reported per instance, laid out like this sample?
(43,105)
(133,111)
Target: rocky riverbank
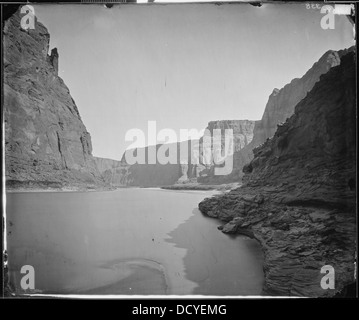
(198,186)
(298,195)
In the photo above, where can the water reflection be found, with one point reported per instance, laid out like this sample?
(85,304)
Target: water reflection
(219,264)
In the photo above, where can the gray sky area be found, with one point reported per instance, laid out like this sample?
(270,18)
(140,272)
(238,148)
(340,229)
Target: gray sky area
(181,65)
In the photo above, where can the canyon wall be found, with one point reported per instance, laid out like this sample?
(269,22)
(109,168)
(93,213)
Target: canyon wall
(243,134)
(145,173)
(46,142)
(242,131)
(247,135)
(184,170)
(113,172)
(279,107)
(298,195)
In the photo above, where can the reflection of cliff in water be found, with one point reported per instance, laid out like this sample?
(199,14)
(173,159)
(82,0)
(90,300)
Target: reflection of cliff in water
(219,264)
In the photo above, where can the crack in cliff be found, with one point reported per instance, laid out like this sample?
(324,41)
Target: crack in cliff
(60,151)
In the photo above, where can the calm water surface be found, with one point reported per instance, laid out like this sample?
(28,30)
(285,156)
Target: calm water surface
(128,241)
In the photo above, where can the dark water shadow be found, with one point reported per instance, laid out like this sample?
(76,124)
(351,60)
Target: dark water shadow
(219,264)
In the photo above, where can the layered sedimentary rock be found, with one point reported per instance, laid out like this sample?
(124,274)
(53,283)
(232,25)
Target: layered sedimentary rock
(46,142)
(279,107)
(298,197)
(113,172)
(243,133)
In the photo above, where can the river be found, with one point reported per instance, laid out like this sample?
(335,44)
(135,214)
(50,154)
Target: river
(126,242)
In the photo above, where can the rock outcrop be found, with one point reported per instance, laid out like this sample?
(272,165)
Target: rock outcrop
(298,193)
(121,174)
(46,142)
(113,172)
(243,132)
(149,174)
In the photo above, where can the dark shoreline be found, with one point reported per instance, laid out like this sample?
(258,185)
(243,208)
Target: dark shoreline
(202,187)
(48,186)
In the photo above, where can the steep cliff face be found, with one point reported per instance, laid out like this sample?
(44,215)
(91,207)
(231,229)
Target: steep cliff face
(243,132)
(149,174)
(114,173)
(279,107)
(281,103)
(247,135)
(46,142)
(298,197)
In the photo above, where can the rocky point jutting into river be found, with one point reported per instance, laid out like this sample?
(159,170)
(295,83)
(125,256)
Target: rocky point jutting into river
(298,197)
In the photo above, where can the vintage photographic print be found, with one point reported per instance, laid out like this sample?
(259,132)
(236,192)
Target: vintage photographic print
(179,149)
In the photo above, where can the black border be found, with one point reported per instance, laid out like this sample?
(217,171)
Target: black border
(235,307)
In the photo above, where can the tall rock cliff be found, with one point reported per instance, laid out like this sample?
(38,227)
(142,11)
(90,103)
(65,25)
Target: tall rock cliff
(149,174)
(279,107)
(114,173)
(46,142)
(298,197)
(243,133)
(119,173)
(281,103)
(247,135)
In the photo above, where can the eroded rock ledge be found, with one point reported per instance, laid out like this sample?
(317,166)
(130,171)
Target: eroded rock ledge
(298,196)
